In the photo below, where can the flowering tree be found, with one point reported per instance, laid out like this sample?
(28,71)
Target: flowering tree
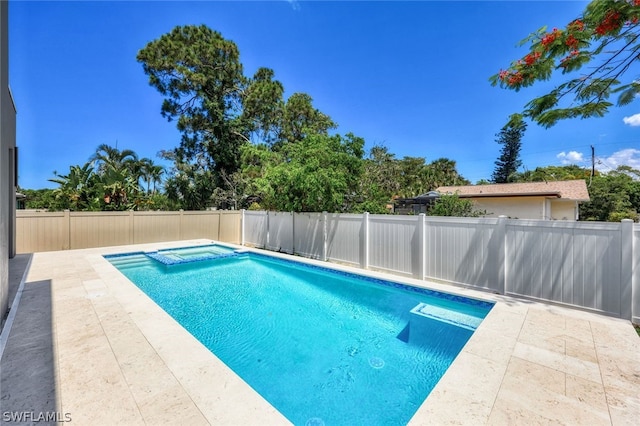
(607,35)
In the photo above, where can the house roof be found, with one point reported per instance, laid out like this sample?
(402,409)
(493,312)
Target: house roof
(575,190)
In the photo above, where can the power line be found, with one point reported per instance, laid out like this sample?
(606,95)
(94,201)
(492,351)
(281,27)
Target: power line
(602,162)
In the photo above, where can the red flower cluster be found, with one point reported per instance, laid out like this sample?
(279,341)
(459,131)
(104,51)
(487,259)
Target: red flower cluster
(565,61)
(578,25)
(511,78)
(571,41)
(550,37)
(636,2)
(515,78)
(531,58)
(611,22)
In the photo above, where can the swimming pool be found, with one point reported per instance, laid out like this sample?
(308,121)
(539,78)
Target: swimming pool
(323,347)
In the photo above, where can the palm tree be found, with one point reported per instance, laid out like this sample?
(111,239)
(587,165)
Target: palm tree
(150,173)
(156,172)
(107,157)
(444,173)
(119,172)
(77,189)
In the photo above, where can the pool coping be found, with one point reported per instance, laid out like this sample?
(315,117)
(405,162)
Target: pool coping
(527,361)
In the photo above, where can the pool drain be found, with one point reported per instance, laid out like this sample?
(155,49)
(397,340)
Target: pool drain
(376,362)
(315,421)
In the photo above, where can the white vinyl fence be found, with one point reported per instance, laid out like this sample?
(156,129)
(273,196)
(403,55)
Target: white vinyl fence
(591,265)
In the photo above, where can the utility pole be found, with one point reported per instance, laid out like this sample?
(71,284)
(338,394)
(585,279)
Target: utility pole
(593,164)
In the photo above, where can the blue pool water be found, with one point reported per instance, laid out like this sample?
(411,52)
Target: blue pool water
(323,347)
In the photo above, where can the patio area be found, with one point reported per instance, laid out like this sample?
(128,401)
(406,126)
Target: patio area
(88,346)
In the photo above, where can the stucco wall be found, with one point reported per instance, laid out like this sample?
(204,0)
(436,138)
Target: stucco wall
(563,210)
(513,207)
(528,208)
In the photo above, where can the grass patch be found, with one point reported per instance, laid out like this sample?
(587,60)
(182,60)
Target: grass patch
(637,327)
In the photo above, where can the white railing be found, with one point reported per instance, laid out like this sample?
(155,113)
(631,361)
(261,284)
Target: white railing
(591,265)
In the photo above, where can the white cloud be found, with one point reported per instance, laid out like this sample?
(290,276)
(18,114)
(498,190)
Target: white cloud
(571,157)
(625,157)
(633,120)
(628,157)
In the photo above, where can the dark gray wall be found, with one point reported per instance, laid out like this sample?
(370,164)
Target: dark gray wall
(7,163)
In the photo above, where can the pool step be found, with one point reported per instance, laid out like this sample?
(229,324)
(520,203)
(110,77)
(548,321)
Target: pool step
(177,260)
(426,311)
(126,261)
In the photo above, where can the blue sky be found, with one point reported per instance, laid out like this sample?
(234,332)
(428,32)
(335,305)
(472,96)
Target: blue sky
(412,76)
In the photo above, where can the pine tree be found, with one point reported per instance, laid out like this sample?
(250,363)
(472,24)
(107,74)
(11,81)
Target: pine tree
(509,161)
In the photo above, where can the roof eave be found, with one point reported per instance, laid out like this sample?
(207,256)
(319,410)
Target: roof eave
(515,194)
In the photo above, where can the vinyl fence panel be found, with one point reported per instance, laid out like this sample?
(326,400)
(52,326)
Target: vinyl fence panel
(394,244)
(575,263)
(635,293)
(345,236)
(308,232)
(38,231)
(465,251)
(230,227)
(152,227)
(255,228)
(100,229)
(199,224)
(47,231)
(280,232)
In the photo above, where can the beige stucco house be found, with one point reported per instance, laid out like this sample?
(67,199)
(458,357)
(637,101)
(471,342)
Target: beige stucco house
(531,200)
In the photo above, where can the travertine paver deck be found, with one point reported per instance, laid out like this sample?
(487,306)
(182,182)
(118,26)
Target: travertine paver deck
(88,344)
